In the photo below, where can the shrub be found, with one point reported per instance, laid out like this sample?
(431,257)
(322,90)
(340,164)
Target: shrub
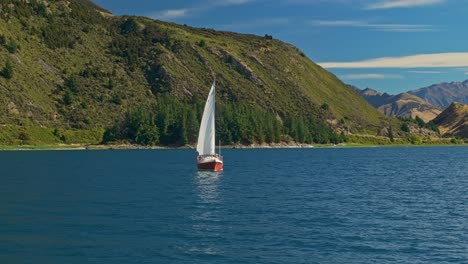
(415,139)
(68,98)
(71,84)
(325,106)
(11,46)
(7,71)
(405,127)
(129,26)
(23,136)
(201,43)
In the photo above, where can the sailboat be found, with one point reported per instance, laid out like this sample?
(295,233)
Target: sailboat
(207,158)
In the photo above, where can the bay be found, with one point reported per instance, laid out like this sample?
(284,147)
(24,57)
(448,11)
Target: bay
(332,205)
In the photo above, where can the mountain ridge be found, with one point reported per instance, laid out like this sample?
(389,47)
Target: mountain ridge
(400,105)
(76,67)
(443,94)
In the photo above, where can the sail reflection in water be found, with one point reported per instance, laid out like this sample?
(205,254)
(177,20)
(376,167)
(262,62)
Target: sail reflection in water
(207,183)
(207,218)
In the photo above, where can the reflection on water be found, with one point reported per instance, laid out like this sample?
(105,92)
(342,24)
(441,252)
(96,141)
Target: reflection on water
(207,183)
(206,218)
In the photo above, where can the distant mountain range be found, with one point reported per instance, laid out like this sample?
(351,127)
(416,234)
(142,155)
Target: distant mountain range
(403,105)
(443,94)
(453,121)
(426,103)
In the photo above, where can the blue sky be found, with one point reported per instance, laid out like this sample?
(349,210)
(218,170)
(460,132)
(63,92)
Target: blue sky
(389,45)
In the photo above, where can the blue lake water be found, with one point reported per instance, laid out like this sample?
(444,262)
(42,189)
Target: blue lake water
(369,205)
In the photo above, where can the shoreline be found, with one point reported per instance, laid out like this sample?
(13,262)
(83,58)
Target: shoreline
(283,145)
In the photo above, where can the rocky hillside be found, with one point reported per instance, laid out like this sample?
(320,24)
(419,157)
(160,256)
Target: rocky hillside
(443,94)
(401,105)
(407,105)
(72,66)
(453,121)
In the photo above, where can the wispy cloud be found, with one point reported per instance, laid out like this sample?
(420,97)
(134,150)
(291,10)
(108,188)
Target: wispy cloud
(369,76)
(402,3)
(171,14)
(427,72)
(436,60)
(309,2)
(232,2)
(378,27)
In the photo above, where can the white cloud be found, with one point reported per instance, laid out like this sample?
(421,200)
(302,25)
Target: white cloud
(368,76)
(171,14)
(378,27)
(402,3)
(436,60)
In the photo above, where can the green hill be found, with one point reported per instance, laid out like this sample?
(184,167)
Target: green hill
(71,70)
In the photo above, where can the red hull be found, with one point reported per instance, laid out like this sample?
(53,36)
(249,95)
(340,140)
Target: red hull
(212,166)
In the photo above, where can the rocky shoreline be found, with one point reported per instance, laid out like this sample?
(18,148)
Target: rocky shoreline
(283,145)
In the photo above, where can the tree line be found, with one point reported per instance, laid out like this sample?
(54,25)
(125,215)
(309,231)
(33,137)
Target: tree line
(176,123)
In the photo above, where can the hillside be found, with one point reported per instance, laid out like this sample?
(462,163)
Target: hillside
(453,121)
(443,94)
(71,69)
(401,105)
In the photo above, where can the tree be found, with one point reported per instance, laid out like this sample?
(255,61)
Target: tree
(192,126)
(72,85)
(129,26)
(7,71)
(68,97)
(405,127)
(420,122)
(147,134)
(391,135)
(42,9)
(111,134)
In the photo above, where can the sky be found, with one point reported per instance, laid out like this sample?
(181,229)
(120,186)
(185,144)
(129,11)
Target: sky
(389,45)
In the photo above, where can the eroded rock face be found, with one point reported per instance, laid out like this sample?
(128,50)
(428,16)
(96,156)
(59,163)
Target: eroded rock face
(424,132)
(11,108)
(237,64)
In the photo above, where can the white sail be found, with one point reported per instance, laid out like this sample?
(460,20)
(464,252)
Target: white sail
(206,136)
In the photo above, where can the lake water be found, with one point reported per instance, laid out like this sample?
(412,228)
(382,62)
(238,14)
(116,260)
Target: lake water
(369,205)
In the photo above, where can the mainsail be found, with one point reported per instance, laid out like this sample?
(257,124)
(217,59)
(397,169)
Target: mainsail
(206,136)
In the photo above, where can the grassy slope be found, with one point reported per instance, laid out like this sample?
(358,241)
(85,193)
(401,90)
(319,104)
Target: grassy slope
(453,121)
(285,80)
(268,73)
